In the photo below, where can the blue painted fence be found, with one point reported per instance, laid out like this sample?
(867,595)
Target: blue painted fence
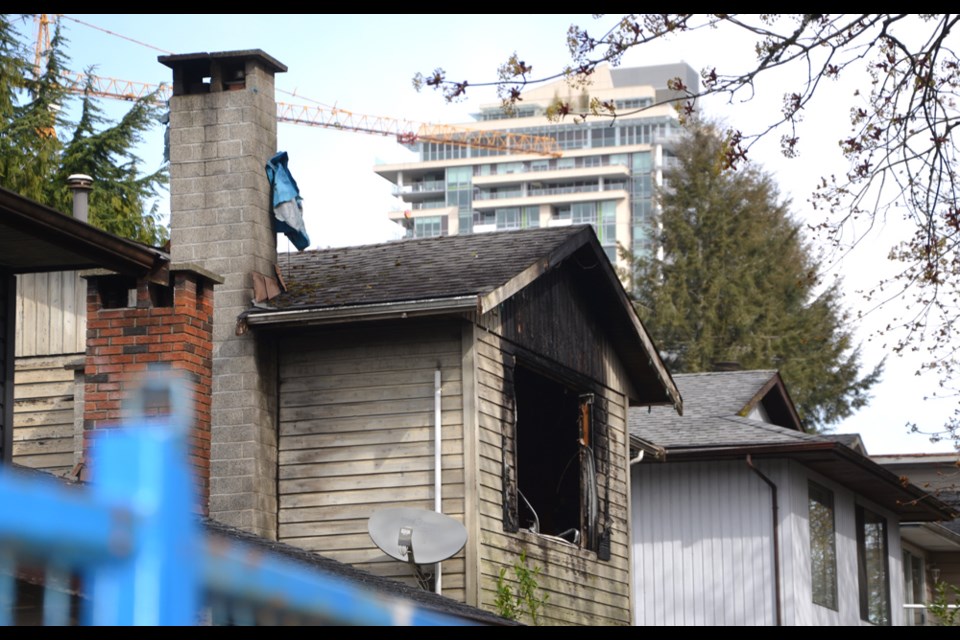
(142,557)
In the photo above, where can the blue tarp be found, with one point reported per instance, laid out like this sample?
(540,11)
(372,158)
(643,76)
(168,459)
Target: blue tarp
(286,202)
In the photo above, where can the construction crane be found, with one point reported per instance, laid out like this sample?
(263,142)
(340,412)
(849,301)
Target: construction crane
(407,132)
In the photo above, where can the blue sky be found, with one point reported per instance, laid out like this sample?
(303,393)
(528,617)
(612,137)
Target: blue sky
(365,63)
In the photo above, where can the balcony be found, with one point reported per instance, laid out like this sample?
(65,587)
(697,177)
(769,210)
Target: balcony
(419,191)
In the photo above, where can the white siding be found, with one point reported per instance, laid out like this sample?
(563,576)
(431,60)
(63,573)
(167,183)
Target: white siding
(799,608)
(702,547)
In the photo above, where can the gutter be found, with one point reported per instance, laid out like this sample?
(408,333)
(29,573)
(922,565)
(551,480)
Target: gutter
(375,311)
(117,253)
(776,538)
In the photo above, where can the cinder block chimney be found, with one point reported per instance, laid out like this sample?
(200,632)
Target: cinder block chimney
(223,130)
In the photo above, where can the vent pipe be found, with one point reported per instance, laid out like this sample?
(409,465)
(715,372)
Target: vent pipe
(80,184)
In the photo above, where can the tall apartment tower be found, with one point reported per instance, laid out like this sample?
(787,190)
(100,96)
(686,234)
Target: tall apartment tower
(223,130)
(605,176)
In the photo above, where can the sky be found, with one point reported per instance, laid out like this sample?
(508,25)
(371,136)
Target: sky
(365,64)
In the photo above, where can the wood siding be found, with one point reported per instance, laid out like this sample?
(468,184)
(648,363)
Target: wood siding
(581,588)
(552,318)
(51,313)
(703,547)
(703,552)
(357,434)
(8,285)
(44,422)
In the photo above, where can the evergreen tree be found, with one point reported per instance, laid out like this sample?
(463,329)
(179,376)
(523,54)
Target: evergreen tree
(736,282)
(35,159)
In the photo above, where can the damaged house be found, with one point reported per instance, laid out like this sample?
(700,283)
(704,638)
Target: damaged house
(329,383)
(519,352)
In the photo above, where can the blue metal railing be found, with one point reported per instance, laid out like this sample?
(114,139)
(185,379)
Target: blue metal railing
(142,558)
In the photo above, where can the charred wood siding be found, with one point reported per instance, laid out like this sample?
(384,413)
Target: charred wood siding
(582,588)
(357,434)
(553,318)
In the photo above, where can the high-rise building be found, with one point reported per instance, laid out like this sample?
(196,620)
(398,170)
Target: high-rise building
(605,176)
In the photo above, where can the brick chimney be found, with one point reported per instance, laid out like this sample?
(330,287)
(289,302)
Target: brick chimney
(223,130)
(137,326)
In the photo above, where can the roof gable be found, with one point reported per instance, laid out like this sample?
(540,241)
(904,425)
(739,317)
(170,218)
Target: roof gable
(716,427)
(460,273)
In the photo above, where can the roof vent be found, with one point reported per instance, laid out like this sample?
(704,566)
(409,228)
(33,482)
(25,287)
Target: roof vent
(81,185)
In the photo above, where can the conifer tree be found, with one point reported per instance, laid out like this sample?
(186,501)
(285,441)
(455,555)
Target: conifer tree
(737,282)
(39,147)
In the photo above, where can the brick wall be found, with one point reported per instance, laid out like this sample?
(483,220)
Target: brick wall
(169,328)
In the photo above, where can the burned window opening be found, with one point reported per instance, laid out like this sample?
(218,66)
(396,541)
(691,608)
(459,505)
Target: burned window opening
(556,478)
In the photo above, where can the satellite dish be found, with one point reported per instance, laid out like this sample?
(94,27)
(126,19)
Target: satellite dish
(418,536)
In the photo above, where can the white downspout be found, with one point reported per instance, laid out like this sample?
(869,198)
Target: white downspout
(437,497)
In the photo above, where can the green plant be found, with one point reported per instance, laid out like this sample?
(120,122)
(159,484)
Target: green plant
(944,604)
(525,597)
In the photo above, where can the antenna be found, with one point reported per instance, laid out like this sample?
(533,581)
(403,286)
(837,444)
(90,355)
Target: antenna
(416,536)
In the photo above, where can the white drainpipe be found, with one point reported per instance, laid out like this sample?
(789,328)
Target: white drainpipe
(437,497)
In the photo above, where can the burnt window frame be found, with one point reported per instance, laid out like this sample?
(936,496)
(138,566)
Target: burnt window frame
(592,419)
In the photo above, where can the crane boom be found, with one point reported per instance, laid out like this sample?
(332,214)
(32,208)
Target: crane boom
(406,131)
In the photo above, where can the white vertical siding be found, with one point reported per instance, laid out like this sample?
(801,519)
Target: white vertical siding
(703,554)
(799,606)
(702,544)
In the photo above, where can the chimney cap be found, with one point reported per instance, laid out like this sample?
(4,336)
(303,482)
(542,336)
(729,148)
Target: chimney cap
(80,181)
(259,55)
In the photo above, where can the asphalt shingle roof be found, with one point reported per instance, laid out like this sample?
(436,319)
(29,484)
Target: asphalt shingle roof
(711,402)
(414,269)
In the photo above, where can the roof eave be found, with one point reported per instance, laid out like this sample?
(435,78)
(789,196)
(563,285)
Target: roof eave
(927,507)
(100,247)
(363,312)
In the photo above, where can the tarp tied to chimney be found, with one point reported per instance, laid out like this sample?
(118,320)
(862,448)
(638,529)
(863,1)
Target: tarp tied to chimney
(286,202)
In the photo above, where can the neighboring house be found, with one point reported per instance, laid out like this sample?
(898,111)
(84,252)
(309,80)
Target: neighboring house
(742,518)
(37,243)
(931,550)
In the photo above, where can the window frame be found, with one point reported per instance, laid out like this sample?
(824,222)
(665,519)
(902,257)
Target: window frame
(815,491)
(594,534)
(864,566)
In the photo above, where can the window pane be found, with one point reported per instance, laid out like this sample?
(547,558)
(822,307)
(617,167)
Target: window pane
(872,566)
(823,547)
